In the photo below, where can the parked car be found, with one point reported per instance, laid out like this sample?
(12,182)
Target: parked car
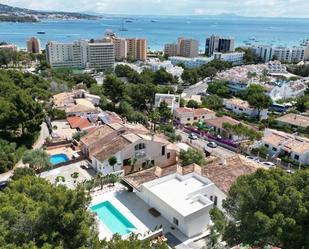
(193,136)
(212,145)
(289,171)
(3,185)
(269,164)
(254,158)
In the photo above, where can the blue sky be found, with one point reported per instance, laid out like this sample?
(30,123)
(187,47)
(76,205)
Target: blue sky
(277,8)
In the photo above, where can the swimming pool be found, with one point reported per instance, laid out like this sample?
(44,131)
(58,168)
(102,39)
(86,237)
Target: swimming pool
(112,218)
(58,158)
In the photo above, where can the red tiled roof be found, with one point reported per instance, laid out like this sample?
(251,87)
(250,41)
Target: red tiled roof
(78,122)
(201,111)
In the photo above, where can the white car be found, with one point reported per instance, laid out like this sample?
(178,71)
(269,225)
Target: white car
(193,136)
(269,164)
(212,145)
(289,171)
(254,158)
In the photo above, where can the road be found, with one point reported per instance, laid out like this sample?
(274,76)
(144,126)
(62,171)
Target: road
(44,133)
(201,144)
(200,87)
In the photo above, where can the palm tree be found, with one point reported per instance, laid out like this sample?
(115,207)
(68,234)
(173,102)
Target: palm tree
(132,163)
(112,161)
(100,179)
(75,175)
(37,160)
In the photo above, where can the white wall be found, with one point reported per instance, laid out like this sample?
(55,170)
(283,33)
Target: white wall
(192,224)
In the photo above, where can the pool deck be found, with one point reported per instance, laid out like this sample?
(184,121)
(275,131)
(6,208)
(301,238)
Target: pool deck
(136,211)
(67,171)
(62,150)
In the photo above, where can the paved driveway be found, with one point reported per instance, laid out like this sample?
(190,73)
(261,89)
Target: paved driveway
(201,144)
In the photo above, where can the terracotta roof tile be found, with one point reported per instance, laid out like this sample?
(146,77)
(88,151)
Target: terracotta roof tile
(111,148)
(78,122)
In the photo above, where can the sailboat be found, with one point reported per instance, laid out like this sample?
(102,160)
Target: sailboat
(122,26)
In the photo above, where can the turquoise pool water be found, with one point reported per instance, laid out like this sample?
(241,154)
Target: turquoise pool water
(58,158)
(112,218)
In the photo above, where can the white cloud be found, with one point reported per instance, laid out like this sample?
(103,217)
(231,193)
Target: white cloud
(296,8)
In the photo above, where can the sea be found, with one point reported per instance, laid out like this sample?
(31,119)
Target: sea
(159,30)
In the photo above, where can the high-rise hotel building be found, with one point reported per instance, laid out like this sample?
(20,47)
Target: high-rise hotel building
(81,54)
(137,48)
(34,45)
(219,44)
(184,47)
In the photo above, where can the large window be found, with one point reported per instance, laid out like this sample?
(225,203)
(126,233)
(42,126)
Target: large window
(216,201)
(163,150)
(296,157)
(168,155)
(140,146)
(175,221)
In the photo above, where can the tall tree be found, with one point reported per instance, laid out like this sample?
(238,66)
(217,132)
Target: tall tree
(114,88)
(37,160)
(112,162)
(269,207)
(259,101)
(37,214)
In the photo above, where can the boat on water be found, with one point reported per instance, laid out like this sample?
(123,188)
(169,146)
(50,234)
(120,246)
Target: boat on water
(123,28)
(41,32)
(129,21)
(153,21)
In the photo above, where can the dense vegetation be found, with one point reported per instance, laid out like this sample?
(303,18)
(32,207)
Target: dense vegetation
(14,18)
(36,214)
(192,76)
(21,113)
(192,156)
(249,56)
(302,70)
(269,207)
(15,58)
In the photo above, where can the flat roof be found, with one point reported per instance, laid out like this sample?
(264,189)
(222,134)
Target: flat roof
(295,119)
(179,192)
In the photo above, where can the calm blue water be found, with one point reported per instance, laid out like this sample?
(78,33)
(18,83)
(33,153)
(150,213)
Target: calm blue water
(112,218)
(276,31)
(58,158)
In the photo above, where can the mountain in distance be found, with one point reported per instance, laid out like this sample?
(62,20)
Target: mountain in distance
(16,14)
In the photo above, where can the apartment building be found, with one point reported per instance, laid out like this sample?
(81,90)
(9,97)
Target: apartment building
(9,47)
(170,49)
(187,47)
(34,45)
(235,58)
(121,48)
(292,55)
(265,53)
(240,106)
(283,54)
(185,115)
(288,145)
(101,55)
(81,54)
(219,44)
(137,48)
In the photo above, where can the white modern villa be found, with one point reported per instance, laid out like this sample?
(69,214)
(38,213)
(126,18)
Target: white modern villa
(183,200)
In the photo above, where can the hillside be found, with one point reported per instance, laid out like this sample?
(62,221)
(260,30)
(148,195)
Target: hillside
(15,14)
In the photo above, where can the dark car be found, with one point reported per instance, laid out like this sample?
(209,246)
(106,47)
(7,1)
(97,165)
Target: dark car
(3,185)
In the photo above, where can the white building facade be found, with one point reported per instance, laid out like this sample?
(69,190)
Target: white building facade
(80,54)
(184,200)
